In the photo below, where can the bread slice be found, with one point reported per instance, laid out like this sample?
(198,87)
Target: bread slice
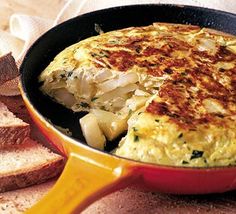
(12,129)
(27,164)
(8,68)
(16,105)
(19,201)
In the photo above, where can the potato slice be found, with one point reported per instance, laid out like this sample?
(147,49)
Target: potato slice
(136,102)
(92,132)
(111,125)
(65,97)
(122,80)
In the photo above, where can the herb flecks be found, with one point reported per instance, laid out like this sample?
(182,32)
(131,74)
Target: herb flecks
(94,98)
(130,112)
(136,138)
(102,53)
(113,42)
(135,129)
(84,105)
(65,60)
(93,54)
(62,76)
(185,162)
(157,121)
(196,154)
(180,135)
(69,73)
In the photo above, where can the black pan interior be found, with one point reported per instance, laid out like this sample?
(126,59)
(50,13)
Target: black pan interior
(50,44)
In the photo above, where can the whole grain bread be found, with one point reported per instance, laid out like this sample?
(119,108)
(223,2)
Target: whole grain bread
(12,129)
(27,164)
(8,68)
(15,104)
(18,201)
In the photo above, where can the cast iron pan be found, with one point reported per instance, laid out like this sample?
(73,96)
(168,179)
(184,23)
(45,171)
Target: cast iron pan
(120,171)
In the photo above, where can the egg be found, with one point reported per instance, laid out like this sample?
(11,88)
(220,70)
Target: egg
(171,87)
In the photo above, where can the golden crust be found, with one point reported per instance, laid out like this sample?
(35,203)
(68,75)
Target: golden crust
(218,33)
(189,74)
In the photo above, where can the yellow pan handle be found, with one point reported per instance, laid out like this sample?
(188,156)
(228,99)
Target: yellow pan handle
(82,182)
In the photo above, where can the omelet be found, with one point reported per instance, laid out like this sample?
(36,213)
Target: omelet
(171,87)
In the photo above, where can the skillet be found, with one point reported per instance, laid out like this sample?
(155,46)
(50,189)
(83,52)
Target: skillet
(89,173)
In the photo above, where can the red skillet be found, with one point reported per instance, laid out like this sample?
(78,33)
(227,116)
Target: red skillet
(90,174)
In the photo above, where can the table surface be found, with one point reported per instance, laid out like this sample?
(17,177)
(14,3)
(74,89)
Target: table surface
(133,200)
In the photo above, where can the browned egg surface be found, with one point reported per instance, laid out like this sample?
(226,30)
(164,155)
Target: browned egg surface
(174,85)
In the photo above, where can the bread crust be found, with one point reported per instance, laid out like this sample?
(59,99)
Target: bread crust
(12,129)
(8,68)
(18,201)
(14,134)
(35,175)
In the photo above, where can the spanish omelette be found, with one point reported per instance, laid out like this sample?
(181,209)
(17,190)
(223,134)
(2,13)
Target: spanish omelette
(171,86)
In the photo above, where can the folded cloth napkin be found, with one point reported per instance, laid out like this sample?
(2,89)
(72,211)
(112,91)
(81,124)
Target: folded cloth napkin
(25,29)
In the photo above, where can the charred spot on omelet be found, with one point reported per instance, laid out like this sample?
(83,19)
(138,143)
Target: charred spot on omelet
(175,86)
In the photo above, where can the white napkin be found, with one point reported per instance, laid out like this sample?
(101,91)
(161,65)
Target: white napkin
(25,29)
